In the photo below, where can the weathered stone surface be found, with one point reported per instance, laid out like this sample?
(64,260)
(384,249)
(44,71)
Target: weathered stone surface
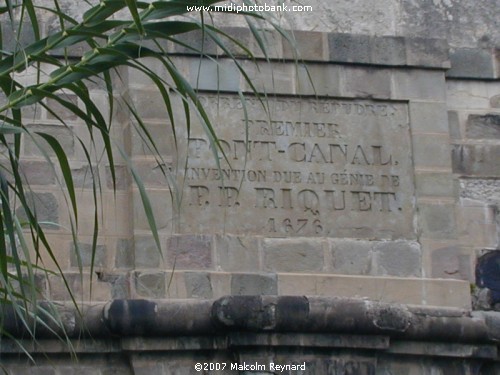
(476,160)
(318,80)
(434,184)
(352,257)
(125,250)
(438,220)
(198,285)
(36,146)
(418,84)
(454,125)
(427,52)
(398,258)
(86,254)
(445,293)
(37,172)
(253,284)
(349,48)
(58,111)
(150,284)
(122,178)
(366,83)
(44,207)
(222,75)
(388,50)
(190,252)
(293,255)
(483,126)
(307,45)
(429,117)
(315,168)
(431,151)
(449,262)
(237,253)
(471,63)
(147,253)
(195,43)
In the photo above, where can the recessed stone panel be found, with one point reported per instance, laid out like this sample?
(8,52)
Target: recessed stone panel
(299,167)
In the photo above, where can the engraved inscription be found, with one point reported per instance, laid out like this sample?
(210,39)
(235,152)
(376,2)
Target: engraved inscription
(299,167)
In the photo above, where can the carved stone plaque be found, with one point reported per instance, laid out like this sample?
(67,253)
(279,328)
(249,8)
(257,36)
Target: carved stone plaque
(300,167)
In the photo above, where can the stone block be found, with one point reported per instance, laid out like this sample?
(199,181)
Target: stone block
(117,216)
(476,160)
(318,80)
(137,78)
(160,201)
(471,94)
(221,284)
(81,287)
(86,253)
(34,145)
(437,221)
(16,36)
(237,253)
(196,43)
(120,287)
(241,34)
(44,206)
(154,139)
(428,117)
(269,77)
(83,177)
(366,82)
(273,45)
(351,257)
(397,258)
(254,284)
(176,285)
(433,292)
(149,104)
(454,125)
(293,255)
(419,84)
(481,191)
(37,172)
(198,285)
(449,262)
(305,45)
(431,151)
(219,75)
(190,252)
(434,184)
(474,63)
(57,111)
(147,254)
(122,178)
(150,284)
(477,226)
(154,173)
(349,48)
(125,251)
(483,126)
(427,52)
(388,50)
(495,101)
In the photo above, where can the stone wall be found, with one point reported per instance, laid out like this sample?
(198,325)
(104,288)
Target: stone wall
(370,173)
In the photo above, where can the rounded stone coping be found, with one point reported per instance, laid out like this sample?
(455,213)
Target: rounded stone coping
(261,314)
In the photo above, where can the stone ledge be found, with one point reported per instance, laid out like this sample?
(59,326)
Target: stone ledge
(232,315)
(473,63)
